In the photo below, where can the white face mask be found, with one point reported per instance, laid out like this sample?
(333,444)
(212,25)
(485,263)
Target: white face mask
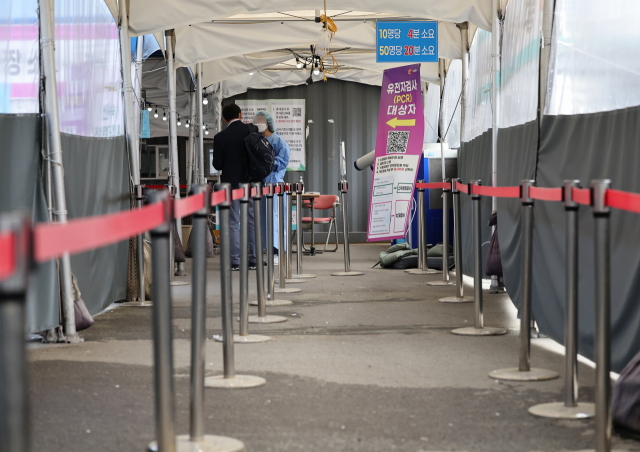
(261,127)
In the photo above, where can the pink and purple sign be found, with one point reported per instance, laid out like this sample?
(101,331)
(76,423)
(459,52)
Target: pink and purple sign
(398,150)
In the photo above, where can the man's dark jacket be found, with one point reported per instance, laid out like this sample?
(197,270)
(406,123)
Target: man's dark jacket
(228,153)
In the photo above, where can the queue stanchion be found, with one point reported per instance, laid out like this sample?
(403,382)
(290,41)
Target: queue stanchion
(14,407)
(172,251)
(478,328)
(288,188)
(244,337)
(299,186)
(457,245)
(161,265)
(343,186)
(422,237)
(196,439)
(282,252)
(446,280)
(229,380)
(524,371)
(139,196)
(262,316)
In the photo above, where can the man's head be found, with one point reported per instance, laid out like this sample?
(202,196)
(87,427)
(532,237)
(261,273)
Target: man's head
(231,112)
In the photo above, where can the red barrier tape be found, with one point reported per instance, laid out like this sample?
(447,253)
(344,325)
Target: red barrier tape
(84,234)
(218,197)
(433,185)
(236,194)
(498,192)
(265,191)
(464,188)
(161,187)
(581,196)
(545,194)
(254,191)
(277,191)
(187,206)
(623,200)
(8,253)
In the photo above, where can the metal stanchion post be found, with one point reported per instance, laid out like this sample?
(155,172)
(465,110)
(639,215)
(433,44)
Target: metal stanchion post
(343,186)
(445,240)
(478,328)
(262,316)
(172,258)
(457,245)
(14,412)
(229,380)
(139,196)
(196,439)
(524,372)
(289,235)
(299,186)
(244,336)
(570,408)
(422,237)
(161,265)
(282,251)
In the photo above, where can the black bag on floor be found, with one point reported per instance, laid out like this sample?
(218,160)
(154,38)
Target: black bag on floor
(493,265)
(626,400)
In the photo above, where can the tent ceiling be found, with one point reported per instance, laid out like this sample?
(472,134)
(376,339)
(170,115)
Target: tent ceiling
(148,16)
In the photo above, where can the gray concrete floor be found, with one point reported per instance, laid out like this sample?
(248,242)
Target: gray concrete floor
(363,364)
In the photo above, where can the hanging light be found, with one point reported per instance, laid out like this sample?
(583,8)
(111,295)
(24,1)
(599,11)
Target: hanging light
(250,73)
(149,107)
(164,115)
(298,63)
(187,124)
(155,115)
(205,101)
(206,131)
(204,126)
(179,122)
(316,70)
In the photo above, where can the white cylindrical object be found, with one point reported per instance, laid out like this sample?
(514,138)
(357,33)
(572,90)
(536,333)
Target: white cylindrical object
(365,161)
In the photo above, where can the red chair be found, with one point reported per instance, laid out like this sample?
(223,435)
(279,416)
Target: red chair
(322,202)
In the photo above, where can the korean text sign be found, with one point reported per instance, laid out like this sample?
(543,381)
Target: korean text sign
(398,150)
(407,42)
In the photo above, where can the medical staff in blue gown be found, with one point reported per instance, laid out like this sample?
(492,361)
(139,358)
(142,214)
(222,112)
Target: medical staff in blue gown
(264,121)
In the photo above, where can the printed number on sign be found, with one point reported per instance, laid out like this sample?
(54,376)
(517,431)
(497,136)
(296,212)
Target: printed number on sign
(397,142)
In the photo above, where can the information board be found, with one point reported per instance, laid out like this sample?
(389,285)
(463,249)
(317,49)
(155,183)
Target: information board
(407,42)
(397,156)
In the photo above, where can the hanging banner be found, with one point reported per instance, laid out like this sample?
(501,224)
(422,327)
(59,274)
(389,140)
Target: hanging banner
(288,117)
(398,149)
(144,125)
(407,42)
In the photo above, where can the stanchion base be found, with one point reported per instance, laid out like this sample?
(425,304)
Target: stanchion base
(237,382)
(179,283)
(133,304)
(456,300)
(440,283)
(267,319)
(286,290)
(513,374)
(471,331)
(290,281)
(303,276)
(209,443)
(351,273)
(558,410)
(418,271)
(271,303)
(248,339)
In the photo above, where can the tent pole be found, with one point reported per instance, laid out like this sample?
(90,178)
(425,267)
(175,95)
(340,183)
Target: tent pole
(138,105)
(545,55)
(495,102)
(191,149)
(464,36)
(174,177)
(55,157)
(199,124)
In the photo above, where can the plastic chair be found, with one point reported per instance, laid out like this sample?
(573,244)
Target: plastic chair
(323,202)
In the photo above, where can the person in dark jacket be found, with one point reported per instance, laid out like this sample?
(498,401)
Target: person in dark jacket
(229,159)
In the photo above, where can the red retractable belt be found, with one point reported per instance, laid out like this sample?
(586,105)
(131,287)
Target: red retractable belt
(277,190)
(623,200)
(433,185)
(464,188)
(218,197)
(581,196)
(545,194)
(8,253)
(84,234)
(187,206)
(254,191)
(236,194)
(265,191)
(498,192)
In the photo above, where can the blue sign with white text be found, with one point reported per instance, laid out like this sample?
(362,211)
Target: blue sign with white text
(407,42)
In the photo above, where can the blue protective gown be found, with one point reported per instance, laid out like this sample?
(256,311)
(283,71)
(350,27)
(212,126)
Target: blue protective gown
(282,153)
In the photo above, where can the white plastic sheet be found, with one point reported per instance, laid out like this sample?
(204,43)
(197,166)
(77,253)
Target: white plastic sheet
(19,57)
(88,69)
(451,106)
(478,112)
(520,62)
(595,57)
(431,113)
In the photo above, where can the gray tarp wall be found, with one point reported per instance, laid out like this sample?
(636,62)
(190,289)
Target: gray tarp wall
(354,109)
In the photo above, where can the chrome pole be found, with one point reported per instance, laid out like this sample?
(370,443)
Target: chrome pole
(225,282)
(299,236)
(14,409)
(445,233)
(140,239)
(457,230)
(198,125)
(282,253)
(162,328)
(343,186)
(269,213)
(244,260)
(602,346)
(257,220)
(289,238)
(422,237)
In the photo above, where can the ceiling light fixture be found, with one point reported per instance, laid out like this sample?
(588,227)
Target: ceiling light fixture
(205,101)
(149,107)
(155,115)
(179,122)
(164,115)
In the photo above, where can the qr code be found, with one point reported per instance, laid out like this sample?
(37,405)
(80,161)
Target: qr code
(397,142)
(297,112)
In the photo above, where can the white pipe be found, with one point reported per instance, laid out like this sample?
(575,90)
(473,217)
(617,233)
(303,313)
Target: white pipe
(55,156)
(443,124)
(138,90)
(545,54)
(464,37)
(199,123)
(365,161)
(495,93)
(191,149)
